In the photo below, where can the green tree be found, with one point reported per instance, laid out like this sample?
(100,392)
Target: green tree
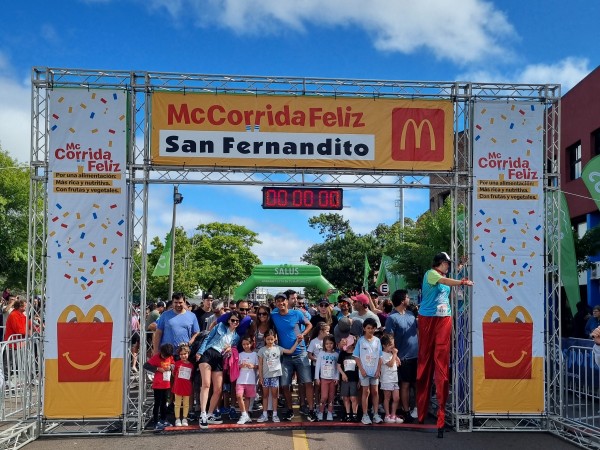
(14,222)
(342,254)
(414,246)
(224,257)
(185,276)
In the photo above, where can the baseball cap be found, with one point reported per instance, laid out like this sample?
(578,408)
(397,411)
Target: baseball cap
(349,342)
(440,258)
(362,299)
(279,295)
(160,303)
(344,299)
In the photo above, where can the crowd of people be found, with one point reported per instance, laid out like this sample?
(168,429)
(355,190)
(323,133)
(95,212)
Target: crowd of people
(361,353)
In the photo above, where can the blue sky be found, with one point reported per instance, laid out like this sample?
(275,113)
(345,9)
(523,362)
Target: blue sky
(436,40)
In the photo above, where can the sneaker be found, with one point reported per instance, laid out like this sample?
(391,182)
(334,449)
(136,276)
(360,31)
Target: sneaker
(399,419)
(159,426)
(233,415)
(377,418)
(380,410)
(214,420)
(366,420)
(304,410)
(389,419)
(203,421)
(289,415)
(414,414)
(330,416)
(222,410)
(166,423)
(312,417)
(184,423)
(319,416)
(276,418)
(263,418)
(244,418)
(178,423)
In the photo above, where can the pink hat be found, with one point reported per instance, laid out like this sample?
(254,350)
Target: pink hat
(349,342)
(361,298)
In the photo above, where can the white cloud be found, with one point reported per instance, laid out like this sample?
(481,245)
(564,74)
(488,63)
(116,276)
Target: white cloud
(567,72)
(15,113)
(474,31)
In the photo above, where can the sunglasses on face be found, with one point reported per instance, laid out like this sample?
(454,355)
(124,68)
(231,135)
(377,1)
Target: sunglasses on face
(234,321)
(262,314)
(244,309)
(324,304)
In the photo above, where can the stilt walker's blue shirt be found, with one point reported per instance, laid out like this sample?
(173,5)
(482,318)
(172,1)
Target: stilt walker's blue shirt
(435,301)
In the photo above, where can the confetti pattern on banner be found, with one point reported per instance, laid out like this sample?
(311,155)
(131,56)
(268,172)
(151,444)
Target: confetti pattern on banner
(502,246)
(86,244)
(97,109)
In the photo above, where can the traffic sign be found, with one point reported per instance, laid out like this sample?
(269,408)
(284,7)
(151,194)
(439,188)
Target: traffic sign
(384,289)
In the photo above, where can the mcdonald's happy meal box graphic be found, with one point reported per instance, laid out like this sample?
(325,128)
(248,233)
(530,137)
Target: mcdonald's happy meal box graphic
(84,344)
(507,343)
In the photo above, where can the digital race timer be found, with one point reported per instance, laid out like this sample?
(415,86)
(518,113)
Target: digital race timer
(302,198)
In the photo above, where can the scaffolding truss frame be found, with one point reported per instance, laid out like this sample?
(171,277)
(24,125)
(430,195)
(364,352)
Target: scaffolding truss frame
(141,173)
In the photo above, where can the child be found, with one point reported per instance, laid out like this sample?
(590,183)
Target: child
(389,379)
(326,374)
(182,386)
(245,387)
(349,387)
(314,348)
(367,355)
(269,371)
(161,365)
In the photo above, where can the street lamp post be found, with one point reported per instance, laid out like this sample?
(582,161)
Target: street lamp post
(177,199)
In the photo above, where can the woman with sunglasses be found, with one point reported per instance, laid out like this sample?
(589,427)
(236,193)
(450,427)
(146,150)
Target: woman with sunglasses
(263,324)
(218,343)
(324,314)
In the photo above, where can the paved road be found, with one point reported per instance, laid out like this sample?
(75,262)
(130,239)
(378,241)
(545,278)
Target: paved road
(317,439)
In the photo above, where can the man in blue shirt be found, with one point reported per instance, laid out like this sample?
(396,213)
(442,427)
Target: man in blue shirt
(175,326)
(403,324)
(288,324)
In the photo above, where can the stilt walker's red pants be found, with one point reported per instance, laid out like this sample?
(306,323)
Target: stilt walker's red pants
(434,358)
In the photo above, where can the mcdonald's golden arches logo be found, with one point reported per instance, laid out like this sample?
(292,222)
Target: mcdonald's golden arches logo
(418,134)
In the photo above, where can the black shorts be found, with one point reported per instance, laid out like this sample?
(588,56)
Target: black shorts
(407,372)
(213,358)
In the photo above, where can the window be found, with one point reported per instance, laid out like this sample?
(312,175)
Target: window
(596,142)
(574,154)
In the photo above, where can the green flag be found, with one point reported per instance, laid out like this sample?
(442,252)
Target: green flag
(366,275)
(163,265)
(591,178)
(395,281)
(568,261)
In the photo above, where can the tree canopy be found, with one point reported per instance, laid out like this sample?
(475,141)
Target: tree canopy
(14,222)
(216,259)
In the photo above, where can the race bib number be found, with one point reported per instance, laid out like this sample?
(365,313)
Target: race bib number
(167,375)
(349,365)
(327,371)
(185,373)
(442,311)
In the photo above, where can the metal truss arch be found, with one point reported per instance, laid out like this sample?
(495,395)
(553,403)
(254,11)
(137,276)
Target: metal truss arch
(141,174)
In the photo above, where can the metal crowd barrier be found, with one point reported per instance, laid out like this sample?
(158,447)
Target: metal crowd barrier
(581,391)
(19,378)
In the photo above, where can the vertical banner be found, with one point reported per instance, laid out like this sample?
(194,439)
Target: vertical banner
(87,221)
(508,265)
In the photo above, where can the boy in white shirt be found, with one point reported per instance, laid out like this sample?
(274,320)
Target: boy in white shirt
(367,355)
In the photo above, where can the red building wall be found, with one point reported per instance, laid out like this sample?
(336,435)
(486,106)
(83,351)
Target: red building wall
(580,116)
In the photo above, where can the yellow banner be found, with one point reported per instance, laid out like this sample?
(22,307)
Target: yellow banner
(305,132)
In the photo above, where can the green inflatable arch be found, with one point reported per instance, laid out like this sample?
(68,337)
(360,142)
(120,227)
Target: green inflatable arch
(286,275)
